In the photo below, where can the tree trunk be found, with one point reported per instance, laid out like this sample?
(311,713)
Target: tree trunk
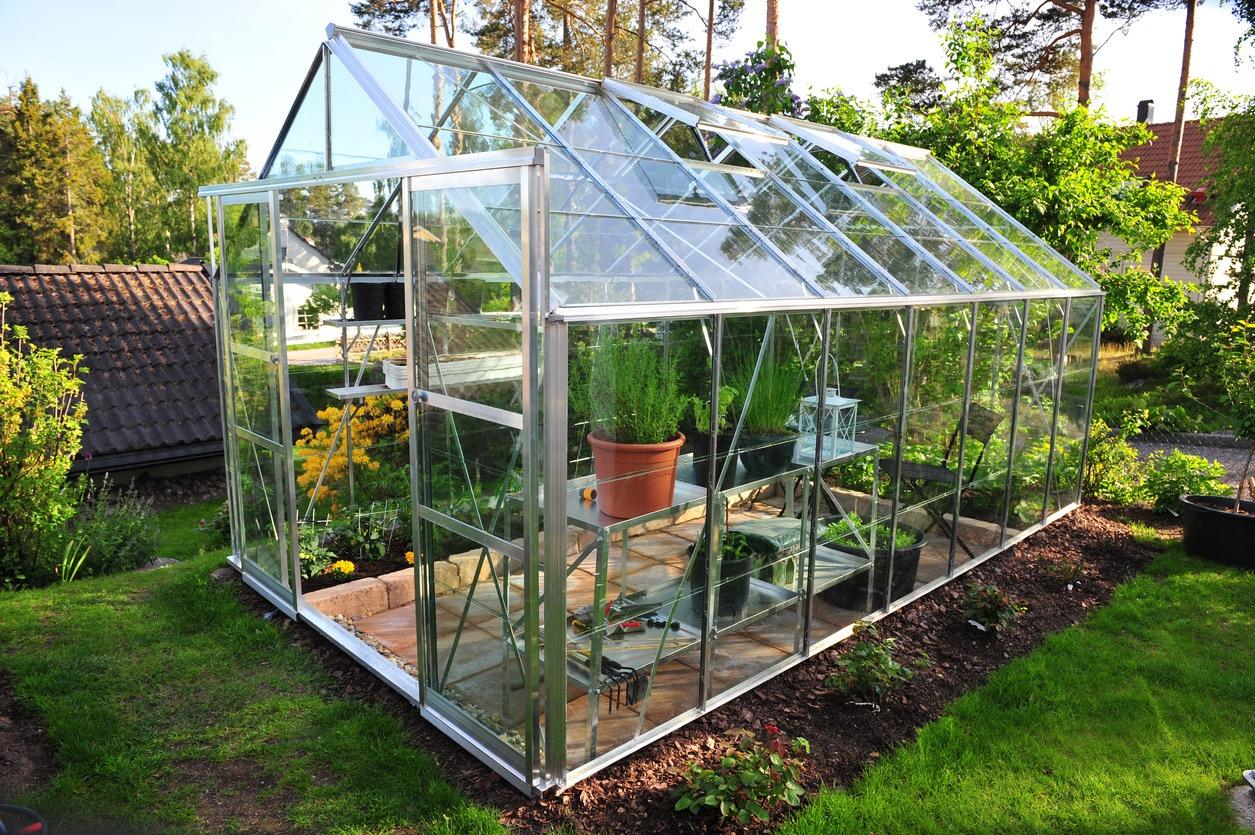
(1086,70)
(448,20)
(773,22)
(433,7)
(69,205)
(710,45)
(640,43)
(191,216)
(130,209)
(612,12)
(522,31)
(1178,127)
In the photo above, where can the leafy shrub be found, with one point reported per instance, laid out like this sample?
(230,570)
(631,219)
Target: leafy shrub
(119,526)
(868,670)
(990,607)
(41,429)
(1170,476)
(218,527)
(315,556)
(1112,472)
(756,771)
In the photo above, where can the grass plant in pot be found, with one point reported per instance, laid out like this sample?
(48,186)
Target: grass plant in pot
(635,406)
(852,594)
(1217,527)
(699,440)
(736,567)
(768,406)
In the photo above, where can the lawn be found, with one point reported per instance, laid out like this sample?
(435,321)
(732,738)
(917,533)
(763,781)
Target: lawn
(171,705)
(1136,720)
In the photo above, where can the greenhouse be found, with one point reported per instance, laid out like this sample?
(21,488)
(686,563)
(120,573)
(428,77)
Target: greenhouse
(509,355)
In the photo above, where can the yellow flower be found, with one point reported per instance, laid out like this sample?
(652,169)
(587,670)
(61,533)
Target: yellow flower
(409,557)
(341,567)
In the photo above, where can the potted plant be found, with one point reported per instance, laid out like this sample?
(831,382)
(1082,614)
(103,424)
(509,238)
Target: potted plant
(767,439)
(1217,527)
(699,441)
(736,566)
(852,594)
(635,405)
(368,298)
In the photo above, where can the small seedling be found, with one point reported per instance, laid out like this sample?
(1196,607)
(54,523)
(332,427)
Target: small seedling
(988,608)
(868,670)
(755,772)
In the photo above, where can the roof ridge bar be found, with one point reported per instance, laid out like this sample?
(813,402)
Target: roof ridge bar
(874,212)
(753,230)
(955,202)
(618,201)
(958,239)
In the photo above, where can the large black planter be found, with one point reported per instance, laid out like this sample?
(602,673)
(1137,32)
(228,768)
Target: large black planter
(766,455)
(852,594)
(367,301)
(734,588)
(700,444)
(394,300)
(1213,531)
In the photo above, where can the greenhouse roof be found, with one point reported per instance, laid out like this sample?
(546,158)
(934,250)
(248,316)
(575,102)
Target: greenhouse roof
(657,197)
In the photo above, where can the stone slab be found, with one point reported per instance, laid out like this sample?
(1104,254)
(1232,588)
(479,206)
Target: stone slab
(356,599)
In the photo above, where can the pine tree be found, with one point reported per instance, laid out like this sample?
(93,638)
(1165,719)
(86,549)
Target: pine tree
(52,179)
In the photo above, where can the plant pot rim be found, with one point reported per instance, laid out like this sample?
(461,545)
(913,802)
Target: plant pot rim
(920,541)
(788,433)
(1218,504)
(595,440)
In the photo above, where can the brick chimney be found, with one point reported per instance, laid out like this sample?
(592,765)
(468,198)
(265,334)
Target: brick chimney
(1146,110)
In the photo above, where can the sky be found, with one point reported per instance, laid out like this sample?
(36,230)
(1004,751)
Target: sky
(262,49)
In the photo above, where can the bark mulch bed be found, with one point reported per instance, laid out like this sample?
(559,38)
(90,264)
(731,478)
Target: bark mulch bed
(1092,548)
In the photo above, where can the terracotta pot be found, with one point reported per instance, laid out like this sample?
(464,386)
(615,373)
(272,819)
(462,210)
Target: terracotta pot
(634,479)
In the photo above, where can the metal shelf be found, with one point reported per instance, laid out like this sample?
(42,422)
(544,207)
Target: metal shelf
(349,323)
(358,392)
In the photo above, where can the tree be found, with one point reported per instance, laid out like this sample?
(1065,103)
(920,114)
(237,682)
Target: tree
(132,199)
(773,23)
(399,17)
(762,81)
(720,21)
(184,133)
(1229,125)
(914,85)
(51,181)
(1178,125)
(1038,41)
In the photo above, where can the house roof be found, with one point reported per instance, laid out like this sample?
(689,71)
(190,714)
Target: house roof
(1192,170)
(146,334)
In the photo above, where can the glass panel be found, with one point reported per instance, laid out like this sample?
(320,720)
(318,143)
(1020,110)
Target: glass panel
(856,498)
(359,132)
(997,251)
(246,270)
(588,122)
(461,111)
(1074,404)
(987,446)
(986,210)
(322,226)
(633,599)
(930,446)
(1038,384)
(263,511)
(305,144)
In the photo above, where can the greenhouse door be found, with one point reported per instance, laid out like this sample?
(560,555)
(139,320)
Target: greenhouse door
(259,426)
(474,377)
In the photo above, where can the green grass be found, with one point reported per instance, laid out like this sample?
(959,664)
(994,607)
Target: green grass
(1134,721)
(159,689)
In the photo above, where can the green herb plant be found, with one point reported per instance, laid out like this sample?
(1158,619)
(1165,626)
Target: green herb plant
(701,409)
(72,559)
(633,392)
(842,532)
(756,772)
(771,403)
(989,607)
(868,670)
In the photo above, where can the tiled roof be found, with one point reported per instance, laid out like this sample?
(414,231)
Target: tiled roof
(146,333)
(1193,168)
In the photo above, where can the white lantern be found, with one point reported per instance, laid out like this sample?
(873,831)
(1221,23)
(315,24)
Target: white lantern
(837,425)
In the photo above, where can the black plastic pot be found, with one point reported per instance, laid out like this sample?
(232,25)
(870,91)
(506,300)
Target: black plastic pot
(700,444)
(766,455)
(1213,531)
(852,594)
(367,301)
(394,300)
(734,588)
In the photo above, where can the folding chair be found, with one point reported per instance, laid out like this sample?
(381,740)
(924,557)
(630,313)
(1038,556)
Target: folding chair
(916,476)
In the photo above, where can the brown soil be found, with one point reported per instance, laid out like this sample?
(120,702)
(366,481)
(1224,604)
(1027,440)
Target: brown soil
(26,753)
(1092,548)
(394,560)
